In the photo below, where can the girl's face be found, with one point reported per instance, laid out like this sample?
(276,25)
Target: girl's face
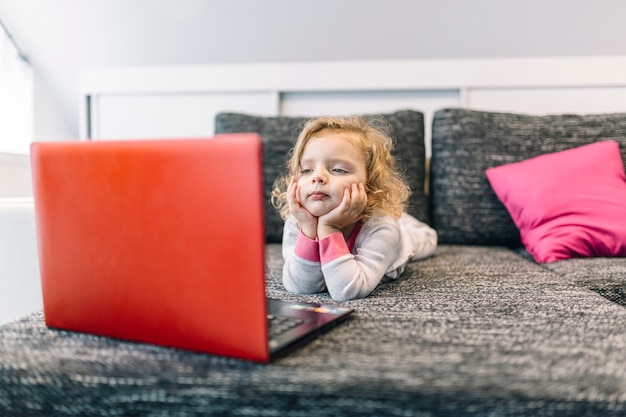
(330,164)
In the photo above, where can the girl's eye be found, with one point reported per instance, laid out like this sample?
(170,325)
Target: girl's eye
(305,171)
(339,171)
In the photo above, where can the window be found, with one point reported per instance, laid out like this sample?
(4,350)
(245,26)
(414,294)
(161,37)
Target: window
(16,96)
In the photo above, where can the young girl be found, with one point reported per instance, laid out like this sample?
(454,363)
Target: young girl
(343,202)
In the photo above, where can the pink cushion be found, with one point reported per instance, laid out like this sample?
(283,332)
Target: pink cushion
(567,204)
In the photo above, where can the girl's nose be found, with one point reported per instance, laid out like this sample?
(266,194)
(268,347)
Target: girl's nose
(318,177)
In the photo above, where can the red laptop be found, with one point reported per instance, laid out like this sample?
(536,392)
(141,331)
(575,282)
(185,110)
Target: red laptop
(162,242)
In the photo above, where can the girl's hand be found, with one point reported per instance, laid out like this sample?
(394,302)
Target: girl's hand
(348,212)
(306,221)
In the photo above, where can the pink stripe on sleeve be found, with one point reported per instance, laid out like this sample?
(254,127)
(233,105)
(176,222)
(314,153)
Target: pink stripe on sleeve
(332,247)
(307,248)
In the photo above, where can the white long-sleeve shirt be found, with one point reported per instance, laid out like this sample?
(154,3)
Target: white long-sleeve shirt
(377,251)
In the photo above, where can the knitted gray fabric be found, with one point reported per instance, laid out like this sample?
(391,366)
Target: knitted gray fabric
(606,276)
(474,330)
(464,208)
(280,133)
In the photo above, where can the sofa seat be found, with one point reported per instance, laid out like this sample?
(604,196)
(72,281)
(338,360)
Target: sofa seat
(474,330)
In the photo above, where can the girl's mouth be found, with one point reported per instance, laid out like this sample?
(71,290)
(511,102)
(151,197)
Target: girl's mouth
(317,196)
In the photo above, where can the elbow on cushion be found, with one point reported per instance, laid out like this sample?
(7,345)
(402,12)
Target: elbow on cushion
(292,287)
(347,293)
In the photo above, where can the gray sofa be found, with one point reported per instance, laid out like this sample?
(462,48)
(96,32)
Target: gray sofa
(478,329)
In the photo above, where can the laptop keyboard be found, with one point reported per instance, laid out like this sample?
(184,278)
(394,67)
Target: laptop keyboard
(280,324)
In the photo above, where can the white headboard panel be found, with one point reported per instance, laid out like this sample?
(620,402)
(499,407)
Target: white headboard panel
(181,101)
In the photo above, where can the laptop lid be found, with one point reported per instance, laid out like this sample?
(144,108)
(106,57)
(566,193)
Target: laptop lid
(155,241)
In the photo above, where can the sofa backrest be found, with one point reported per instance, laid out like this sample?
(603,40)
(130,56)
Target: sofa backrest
(463,207)
(279,135)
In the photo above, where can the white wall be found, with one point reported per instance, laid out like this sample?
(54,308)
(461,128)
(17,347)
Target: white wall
(15,175)
(181,101)
(63,36)
(20,286)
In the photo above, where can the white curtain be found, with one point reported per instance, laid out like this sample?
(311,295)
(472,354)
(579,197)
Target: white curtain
(16,99)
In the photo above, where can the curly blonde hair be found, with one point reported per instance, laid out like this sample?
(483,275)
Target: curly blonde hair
(387,191)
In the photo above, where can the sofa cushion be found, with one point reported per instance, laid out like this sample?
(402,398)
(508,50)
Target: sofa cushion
(455,337)
(605,276)
(279,134)
(567,204)
(464,208)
